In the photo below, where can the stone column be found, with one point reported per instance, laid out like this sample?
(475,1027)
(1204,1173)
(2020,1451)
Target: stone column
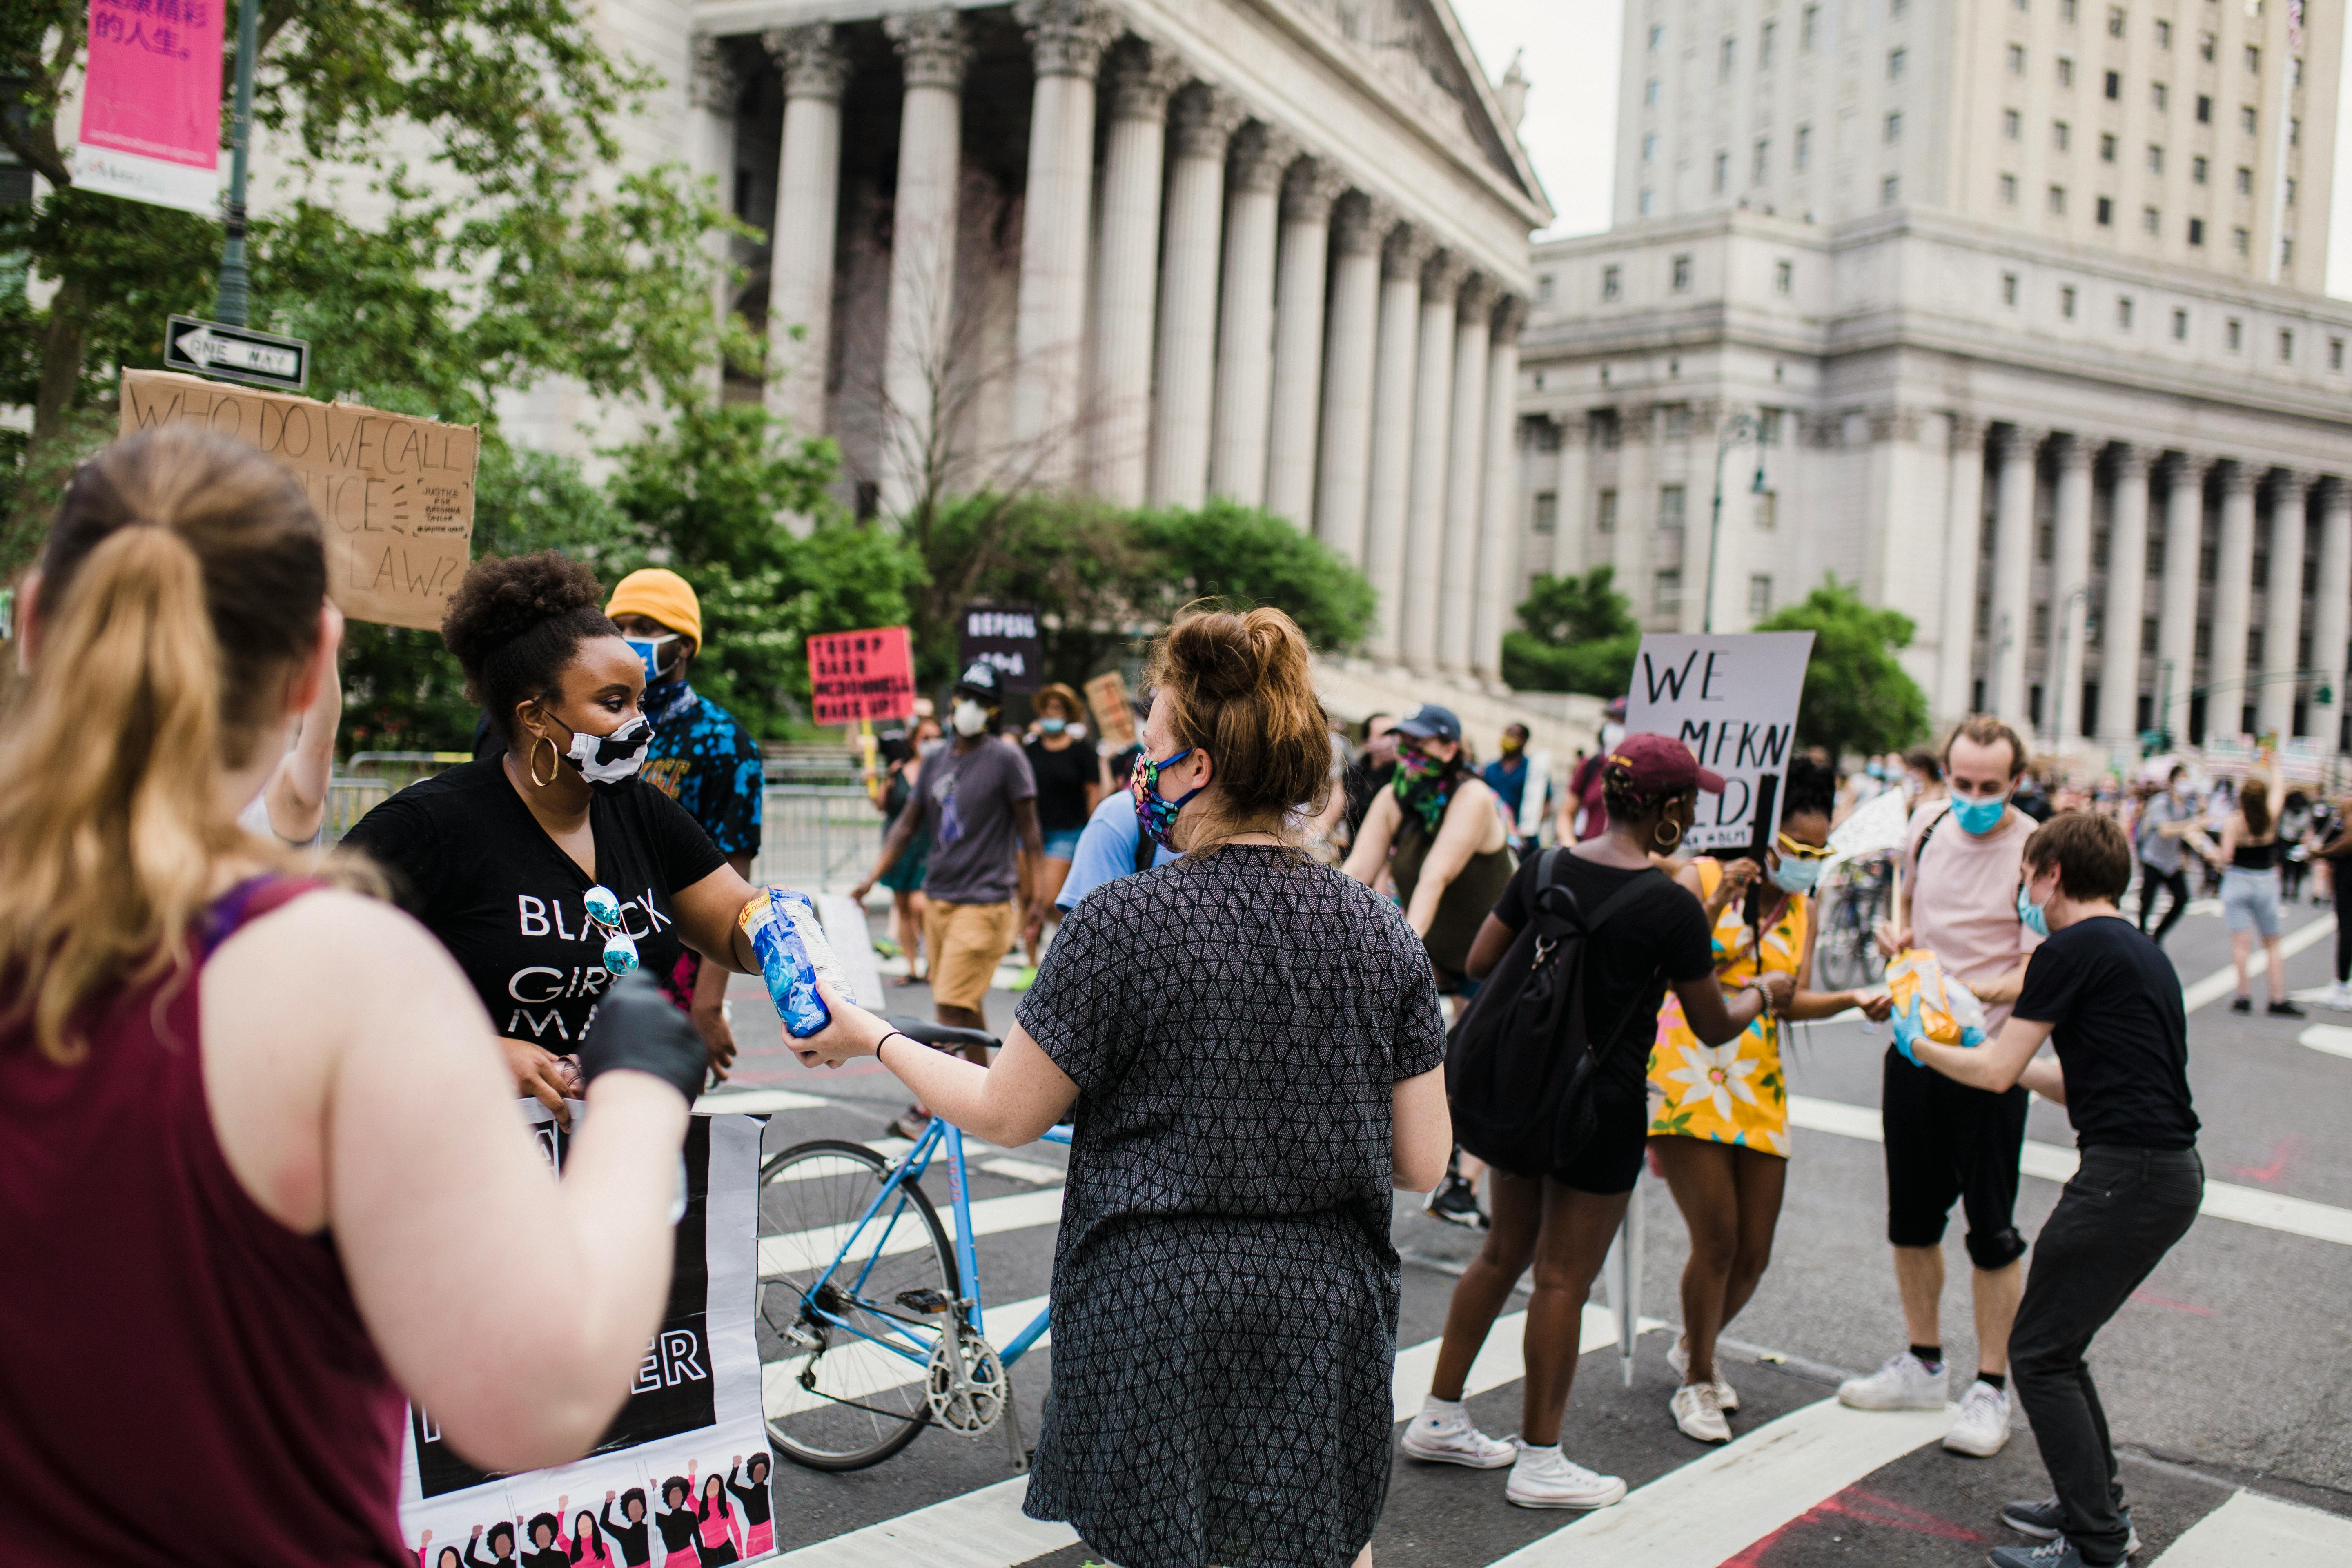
(2283,606)
(1963,552)
(2070,592)
(915,366)
(2331,609)
(1433,436)
(808,197)
(2127,595)
(1067,38)
(1351,355)
(1126,277)
(2233,592)
(715,91)
(2184,551)
(1498,523)
(1245,314)
(1307,192)
(1205,121)
(2011,631)
(1456,564)
(1394,380)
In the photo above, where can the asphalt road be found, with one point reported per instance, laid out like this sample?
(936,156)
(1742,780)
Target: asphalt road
(2228,1380)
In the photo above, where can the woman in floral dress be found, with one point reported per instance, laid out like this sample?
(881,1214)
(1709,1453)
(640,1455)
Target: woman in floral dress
(1720,1115)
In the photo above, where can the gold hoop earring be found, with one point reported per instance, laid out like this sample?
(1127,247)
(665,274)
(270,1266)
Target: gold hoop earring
(1668,847)
(554,761)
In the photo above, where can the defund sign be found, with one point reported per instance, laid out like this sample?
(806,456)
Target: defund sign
(1733,700)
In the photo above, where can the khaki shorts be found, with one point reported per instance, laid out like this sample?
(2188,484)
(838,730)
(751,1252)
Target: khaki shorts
(966,942)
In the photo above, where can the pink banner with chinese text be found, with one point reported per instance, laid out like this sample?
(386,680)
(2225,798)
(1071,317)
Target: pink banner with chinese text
(150,106)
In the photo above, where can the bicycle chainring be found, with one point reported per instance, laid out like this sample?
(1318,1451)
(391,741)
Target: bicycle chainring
(979,1404)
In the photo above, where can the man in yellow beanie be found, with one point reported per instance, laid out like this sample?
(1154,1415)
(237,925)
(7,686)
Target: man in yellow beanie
(701,757)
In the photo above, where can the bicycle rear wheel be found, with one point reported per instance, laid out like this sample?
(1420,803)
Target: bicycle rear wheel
(1843,955)
(846,1348)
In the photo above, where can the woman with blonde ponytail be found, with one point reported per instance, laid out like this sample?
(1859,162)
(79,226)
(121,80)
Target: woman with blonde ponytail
(245,1112)
(1251,1046)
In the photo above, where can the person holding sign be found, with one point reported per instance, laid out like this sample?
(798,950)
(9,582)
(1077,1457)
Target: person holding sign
(249,1111)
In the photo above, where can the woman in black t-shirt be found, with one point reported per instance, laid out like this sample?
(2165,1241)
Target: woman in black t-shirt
(1561,1221)
(1071,781)
(496,856)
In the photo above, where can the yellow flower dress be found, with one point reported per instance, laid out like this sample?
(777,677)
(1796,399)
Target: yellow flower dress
(1735,1092)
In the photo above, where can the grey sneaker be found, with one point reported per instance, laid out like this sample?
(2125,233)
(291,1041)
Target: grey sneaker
(2060,1553)
(2043,1521)
(1903,1383)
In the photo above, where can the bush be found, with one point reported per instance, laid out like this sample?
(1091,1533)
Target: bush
(1576,633)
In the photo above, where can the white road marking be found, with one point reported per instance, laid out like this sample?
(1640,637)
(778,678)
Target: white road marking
(2332,1039)
(983,1529)
(1031,1170)
(2224,981)
(2251,1530)
(756,1101)
(2055,1163)
(1501,1360)
(802,1249)
(871,1368)
(1720,1504)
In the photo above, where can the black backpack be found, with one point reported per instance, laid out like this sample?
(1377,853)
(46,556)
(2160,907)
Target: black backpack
(1520,1063)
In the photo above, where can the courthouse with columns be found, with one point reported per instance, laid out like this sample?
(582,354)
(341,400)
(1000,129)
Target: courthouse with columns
(1270,250)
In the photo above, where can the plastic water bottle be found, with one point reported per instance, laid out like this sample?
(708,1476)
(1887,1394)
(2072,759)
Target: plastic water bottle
(805,919)
(785,964)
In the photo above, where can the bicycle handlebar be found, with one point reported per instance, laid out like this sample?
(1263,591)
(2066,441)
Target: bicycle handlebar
(946,1036)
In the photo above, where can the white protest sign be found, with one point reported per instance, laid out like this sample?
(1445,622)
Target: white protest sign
(1876,828)
(1732,698)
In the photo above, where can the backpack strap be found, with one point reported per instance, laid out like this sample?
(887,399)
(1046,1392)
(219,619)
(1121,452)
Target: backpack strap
(1920,854)
(246,902)
(1146,849)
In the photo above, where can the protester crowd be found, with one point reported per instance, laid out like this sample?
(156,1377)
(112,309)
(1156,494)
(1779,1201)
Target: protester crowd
(1278,971)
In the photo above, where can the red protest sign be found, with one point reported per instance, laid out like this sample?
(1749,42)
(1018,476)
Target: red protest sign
(861,674)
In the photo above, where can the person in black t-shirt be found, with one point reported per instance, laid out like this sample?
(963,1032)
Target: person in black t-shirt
(496,857)
(2110,1001)
(1562,1220)
(1071,782)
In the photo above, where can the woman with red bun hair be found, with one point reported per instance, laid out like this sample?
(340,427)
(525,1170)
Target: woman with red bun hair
(1251,1046)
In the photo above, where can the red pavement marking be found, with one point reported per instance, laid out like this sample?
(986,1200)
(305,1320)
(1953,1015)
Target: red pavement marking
(2156,1300)
(2269,1173)
(1869,1507)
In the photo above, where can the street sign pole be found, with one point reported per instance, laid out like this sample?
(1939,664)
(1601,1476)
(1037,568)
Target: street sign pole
(233,305)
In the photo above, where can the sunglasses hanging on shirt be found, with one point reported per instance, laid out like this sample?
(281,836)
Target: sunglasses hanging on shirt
(605,913)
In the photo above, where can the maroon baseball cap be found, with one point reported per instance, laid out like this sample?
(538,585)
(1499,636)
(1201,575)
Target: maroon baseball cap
(1661,765)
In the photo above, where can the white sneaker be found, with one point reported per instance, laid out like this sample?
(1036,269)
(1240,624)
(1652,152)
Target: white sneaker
(1699,1415)
(2339,997)
(1981,1427)
(1543,1477)
(1726,1399)
(1442,1435)
(1903,1383)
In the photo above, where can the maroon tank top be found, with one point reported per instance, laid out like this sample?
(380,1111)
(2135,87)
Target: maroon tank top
(185,1382)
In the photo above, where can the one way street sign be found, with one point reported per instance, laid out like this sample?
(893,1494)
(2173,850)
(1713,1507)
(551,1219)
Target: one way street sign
(237,353)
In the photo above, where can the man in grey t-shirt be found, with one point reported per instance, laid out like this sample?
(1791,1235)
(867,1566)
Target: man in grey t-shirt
(2164,821)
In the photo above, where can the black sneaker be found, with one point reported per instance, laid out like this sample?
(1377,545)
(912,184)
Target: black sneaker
(2286,1009)
(2241,1003)
(1456,1201)
(2043,1521)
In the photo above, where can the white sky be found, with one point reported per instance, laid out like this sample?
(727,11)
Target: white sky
(1570,56)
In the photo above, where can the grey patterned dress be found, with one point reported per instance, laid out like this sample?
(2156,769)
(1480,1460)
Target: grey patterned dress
(1224,1290)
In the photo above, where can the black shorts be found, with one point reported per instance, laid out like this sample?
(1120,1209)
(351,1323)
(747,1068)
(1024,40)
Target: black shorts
(1610,1161)
(1944,1141)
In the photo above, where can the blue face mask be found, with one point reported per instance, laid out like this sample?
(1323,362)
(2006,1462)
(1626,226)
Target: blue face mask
(1051,726)
(1795,876)
(648,652)
(1980,816)
(1876,769)
(2030,914)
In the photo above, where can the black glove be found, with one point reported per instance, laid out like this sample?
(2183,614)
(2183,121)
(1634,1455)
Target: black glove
(636,1026)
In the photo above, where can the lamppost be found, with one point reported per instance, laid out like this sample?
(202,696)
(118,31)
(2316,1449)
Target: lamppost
(1740,427)
(232,304)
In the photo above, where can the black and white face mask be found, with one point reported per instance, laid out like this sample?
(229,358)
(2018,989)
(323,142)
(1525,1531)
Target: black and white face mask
(612,759)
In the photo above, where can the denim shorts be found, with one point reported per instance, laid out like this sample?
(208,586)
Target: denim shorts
(1064,845)
(2250,901)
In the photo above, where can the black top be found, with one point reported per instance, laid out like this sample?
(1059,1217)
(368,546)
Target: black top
(1361,783)
(2121,1031)
(2255,857)
(754,1498)
(1062,780)
(1658,938)
(470,861)
(628,1539)
(677,1526)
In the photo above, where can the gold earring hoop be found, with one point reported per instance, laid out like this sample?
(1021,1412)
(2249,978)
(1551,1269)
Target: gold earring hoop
(554,761)
(1668,847)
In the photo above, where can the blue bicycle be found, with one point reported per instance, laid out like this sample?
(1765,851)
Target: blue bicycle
(871,1315)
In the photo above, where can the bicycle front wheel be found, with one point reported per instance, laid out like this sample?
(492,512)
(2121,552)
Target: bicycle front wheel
(852,1304)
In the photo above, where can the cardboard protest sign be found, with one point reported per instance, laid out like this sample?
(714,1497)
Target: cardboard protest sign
(1006,637)
(694,1406)
(861,674)
(1732,698)
(396,492)
(1114,715)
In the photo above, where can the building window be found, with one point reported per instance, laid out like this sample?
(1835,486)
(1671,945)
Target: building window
(1768,510)
(1543,288)
(2155,159)
(2124,314)
(2295,132)
(1805,146)
(2288,198)
(1726,59)
(1604,512)
(2205,47)
(2114,21)
(2180,326)
(1682,274)
(2017,59)
(1649,146)
(2286,346)
(1784,274)
(1670,507)
(1606,430)
(2236,333)
(2246,120)
(1666,592)
(2159,95)
(2060,134)
(1610,282)
(1547,517)
(2009,123)
(1890,190)
(2066,302)
(2336,353)
(1759,597)
(2241,241)
(2253,60)
(2009,189)
(1722,171)
(1678,423)
(1764,47)
(2065,71)
(2114,86)
(2197,168)
(2058,201)
(1648,199)
(1650,91)
(2106,214)
(1895,125)
(2009,288)
(2164,35)
(2204,109)
(2106,148)
(2065,11)
(1894,65)
(2151,221)
(2245,181)
(1657,35)
(1808,26)
(2197,231)
(1763,165)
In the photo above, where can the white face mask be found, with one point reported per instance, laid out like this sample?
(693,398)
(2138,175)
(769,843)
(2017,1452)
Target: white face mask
(612,759)
(1610,734)
(970,718)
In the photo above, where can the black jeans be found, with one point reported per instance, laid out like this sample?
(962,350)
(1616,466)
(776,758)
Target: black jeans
(2175,882)
(2116,1220)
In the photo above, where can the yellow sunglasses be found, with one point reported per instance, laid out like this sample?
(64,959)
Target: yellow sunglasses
(1796,851)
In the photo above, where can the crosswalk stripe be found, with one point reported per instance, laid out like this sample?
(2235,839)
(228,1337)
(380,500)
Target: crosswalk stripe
(1019,1211)
(1718,1506)
(871,1368)
(1501,1360)
(2055,1163)
(2251,1530)
(757,1102)
(2223,981)
(983,1529)
(2332,1039)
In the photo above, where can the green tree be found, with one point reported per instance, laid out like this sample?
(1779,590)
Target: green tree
(1858,696)
(1232,552)
(1576,634)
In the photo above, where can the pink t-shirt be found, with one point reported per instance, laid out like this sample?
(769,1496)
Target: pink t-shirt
(1964,903)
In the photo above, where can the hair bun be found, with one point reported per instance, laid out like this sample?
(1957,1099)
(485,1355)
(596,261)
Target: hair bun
(500,599)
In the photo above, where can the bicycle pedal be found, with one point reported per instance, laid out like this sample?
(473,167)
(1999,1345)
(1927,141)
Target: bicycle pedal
(926,1301)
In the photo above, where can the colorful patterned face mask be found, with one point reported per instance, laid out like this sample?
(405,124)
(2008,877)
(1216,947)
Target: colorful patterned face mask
(1155,816)
(1424,786)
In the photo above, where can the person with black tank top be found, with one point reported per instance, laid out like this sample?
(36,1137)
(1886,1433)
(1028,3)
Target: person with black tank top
(2248,856)
(1655,936)
(251,1110)
(1440,832)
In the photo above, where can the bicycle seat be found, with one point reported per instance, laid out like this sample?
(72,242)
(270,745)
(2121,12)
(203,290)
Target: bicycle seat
(946,1036)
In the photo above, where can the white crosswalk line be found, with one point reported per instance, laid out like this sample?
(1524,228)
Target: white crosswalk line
(2224,981)
(1501,1360)
(2251,1530)
(757,1102)
(2332,1039)
(800,1250)
(873,1369)
(1719,1505)
(984,1528)
(2056,1162)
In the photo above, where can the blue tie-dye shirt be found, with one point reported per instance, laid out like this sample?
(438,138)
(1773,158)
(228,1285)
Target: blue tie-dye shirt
(705,760)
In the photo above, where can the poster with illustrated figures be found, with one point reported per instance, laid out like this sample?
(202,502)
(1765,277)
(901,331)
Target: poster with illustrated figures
(685,1463)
